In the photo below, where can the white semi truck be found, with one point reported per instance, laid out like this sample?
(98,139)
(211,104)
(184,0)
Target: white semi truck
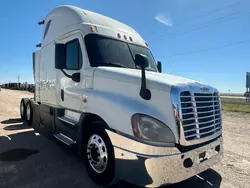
(100,91)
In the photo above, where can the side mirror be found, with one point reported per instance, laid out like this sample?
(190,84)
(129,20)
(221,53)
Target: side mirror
(141,61)
(60,59)
(159,66)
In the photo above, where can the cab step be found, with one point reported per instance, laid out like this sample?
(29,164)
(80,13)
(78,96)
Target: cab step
(67,120)
(64,139)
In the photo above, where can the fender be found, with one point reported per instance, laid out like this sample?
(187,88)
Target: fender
(105,104)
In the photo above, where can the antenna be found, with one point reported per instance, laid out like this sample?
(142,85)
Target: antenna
(41,22)
(39,45)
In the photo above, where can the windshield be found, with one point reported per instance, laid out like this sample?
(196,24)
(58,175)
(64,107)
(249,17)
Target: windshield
(104,51)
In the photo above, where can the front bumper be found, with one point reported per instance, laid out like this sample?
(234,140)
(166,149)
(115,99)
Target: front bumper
(151,166)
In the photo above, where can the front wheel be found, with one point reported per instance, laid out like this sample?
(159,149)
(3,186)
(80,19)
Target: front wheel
(29,113)
(99,154)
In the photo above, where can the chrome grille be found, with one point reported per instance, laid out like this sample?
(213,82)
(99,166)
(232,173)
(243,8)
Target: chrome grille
(201,115)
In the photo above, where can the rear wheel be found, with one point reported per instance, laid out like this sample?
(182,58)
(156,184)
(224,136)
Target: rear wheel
(22,110)
(29,113)
(99,154)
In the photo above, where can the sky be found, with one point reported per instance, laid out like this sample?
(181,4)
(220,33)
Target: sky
(208,41)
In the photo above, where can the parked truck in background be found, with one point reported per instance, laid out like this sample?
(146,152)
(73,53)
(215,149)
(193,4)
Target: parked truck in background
(100,91)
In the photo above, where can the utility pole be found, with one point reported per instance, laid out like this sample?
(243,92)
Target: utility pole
(18,78)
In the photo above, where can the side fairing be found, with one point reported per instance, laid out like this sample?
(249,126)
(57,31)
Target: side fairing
(36,72)
(47,73)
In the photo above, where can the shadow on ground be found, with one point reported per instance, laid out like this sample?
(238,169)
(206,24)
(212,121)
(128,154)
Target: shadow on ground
(39,161)
(15,124)
(17,154)
(10,121)
(206,179)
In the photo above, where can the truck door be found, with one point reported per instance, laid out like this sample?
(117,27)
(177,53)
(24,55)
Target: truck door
(70,90)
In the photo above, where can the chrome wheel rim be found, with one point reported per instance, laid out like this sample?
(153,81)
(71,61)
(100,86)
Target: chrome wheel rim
(97,153)
(28,112)
(22,109)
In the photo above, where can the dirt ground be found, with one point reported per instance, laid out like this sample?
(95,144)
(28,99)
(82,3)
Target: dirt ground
(31,158)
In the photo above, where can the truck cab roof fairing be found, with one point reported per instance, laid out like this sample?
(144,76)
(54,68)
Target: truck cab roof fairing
(65,19)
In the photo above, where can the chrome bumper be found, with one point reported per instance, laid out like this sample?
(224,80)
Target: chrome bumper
(151,166)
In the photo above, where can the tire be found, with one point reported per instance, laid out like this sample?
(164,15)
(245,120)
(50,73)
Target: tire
(104,173)
(29,113)
(22,110)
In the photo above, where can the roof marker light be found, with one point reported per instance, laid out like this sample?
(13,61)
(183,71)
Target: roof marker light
(119,35)
(125,37)
(146,44)
(84,100)
(92,29)
(130,38)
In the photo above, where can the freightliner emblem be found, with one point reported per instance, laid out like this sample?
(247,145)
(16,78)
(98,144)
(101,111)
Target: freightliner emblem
(204,89)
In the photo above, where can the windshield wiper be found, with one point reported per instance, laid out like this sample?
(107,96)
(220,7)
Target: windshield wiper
(107,63)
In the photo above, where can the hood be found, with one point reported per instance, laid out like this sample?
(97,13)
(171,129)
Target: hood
(155,80)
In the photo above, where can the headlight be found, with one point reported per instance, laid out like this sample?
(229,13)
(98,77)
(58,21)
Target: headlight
(148,128)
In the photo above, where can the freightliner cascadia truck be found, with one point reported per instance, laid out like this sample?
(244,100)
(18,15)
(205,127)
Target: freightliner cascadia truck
(99,90)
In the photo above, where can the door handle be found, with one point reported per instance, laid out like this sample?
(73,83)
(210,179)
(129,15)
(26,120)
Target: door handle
(62,94)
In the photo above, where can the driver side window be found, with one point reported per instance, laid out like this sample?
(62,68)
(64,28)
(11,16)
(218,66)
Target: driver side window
(73,55)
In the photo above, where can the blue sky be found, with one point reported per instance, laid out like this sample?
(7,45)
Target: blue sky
(208,41)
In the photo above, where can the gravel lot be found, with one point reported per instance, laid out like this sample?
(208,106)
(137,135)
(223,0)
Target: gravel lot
(32,158)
